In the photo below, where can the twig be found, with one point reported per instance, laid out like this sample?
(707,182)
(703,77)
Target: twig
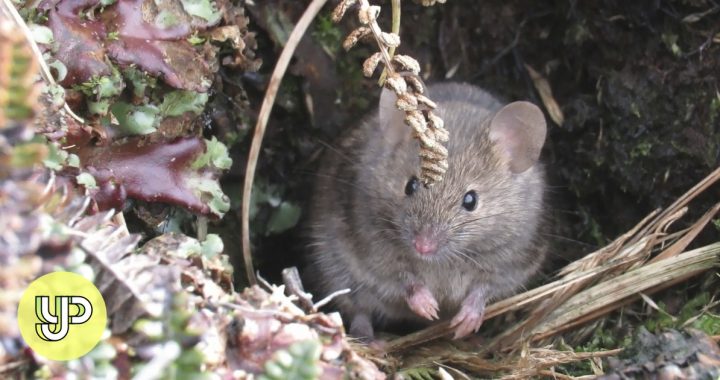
(44,69)
(330,297)
(270,94)
(395,29)
(293,284)
(684,199)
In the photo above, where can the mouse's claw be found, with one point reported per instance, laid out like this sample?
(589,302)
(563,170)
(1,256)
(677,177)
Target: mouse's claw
(422,302)
(470,317)
(466,321)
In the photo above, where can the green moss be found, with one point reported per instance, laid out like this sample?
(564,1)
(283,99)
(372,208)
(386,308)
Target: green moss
(692,314)
(327,34)
(642,149)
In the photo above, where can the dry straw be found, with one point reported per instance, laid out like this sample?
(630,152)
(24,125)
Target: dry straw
(402,77)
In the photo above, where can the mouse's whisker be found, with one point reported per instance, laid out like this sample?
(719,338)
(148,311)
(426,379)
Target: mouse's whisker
(563,238)
(337,151)
(466,222)
(389,221)
(463,256)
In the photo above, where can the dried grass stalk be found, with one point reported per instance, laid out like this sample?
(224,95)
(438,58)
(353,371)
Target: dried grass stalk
(427,127)
(642,279)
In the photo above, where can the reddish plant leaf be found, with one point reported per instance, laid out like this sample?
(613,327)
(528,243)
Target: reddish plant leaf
(157,49)
(78,40)
(154,173)
(162,51)
(176,62)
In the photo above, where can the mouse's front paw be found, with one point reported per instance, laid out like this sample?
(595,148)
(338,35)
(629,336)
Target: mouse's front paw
(422,302)
(470,317)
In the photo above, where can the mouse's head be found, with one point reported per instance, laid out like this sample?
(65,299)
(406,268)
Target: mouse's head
(489,200)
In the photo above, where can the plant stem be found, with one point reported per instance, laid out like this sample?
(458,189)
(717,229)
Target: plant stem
(395,29)
(283,61)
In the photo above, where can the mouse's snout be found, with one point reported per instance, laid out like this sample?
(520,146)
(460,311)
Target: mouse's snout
(426,242)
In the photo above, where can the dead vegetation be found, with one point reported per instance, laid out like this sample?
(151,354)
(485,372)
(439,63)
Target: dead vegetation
(427,127)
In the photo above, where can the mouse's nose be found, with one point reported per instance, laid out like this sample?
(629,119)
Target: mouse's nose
(425,244)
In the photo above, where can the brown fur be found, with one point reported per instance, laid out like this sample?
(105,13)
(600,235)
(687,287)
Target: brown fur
(363,223)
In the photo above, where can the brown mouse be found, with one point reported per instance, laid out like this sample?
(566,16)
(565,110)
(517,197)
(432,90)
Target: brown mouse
(415,253)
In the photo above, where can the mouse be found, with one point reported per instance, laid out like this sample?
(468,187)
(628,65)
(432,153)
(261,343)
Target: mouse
(411,253)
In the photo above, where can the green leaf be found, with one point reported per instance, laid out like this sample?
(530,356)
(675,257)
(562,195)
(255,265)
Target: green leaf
(212,246)
(87,180)
(709,323)
(166,19)
(102,87)
(219,204)
(60,68)
(99,108)
(140,81)
(41,34)
(209,191)
(419,373)
(57,94)
(177,103)
(201,8)
(73,160)
(215,153)
(56,157)
(284,217)
(194,39)
(135,120)
(108,86)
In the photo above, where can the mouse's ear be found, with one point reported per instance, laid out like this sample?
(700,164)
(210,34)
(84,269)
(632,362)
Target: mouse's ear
(518,130)
(392,120)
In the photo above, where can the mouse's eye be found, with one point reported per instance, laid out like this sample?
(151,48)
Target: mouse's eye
(470,200)
(412,186)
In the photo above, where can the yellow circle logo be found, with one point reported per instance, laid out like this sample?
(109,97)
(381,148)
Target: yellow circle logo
(62,316)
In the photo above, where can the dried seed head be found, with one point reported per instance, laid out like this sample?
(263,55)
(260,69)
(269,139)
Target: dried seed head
(407,63)
(407,102)
(424,100)
(438,125)
(396,83)
(390,39)
(371,64)
(437,159)
(340,10)
(427,177)
(416,121)
(415,83)
(368,13)
(435,121)
(355,36)
(432,166)
(426,141)
(426,126)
